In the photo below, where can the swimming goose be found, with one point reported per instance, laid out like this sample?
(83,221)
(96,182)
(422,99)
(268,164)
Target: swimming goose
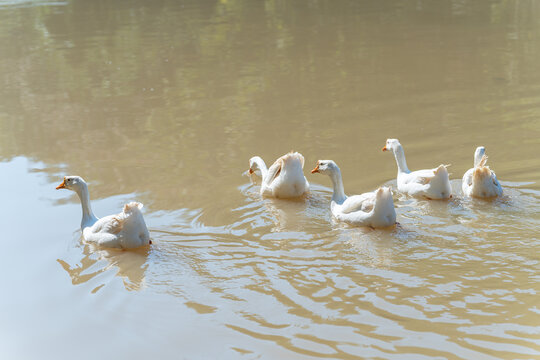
(374,209)
(284,179)
(481,181)
(124,230)
(431,183)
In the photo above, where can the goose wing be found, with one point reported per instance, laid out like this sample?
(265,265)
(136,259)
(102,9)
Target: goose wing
(363,202)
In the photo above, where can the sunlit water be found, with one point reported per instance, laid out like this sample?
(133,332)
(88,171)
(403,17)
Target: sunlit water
(164,102)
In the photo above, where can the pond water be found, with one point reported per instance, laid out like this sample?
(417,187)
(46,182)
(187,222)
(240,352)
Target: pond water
(164,102)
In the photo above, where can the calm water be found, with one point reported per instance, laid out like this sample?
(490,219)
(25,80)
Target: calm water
(165,102)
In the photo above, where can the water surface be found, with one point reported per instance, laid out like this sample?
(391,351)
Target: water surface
(165,101)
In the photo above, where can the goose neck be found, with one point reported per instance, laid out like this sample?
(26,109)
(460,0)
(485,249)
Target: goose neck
(261,165)
(339,192)
(478,154)
(88,217)
(399,154)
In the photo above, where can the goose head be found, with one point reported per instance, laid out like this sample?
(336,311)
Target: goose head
(391,145)
(325,167)
(74,183)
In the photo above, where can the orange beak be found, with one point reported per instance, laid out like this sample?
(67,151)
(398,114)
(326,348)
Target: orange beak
(384,149)
(316,170)
(250,171)
(62,185)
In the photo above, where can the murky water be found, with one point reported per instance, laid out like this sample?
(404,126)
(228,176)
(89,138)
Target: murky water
(165,102)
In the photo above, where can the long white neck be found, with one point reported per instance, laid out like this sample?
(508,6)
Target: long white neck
(480,151)
(88,217)
(339,193)
(262,166)
(399,154)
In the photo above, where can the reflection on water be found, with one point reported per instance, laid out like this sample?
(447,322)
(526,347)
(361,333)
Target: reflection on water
(29,3)
(165,102)
(292,217)
(129,265)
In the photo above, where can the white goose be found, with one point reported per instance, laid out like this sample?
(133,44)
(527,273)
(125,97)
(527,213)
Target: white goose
(284,179)
(125,230)
(375,209)
(480,181)
(431,183)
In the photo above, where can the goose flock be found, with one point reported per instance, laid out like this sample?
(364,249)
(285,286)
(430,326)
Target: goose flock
(285,179)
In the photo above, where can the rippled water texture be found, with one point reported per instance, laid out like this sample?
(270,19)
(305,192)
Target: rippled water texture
(165,102)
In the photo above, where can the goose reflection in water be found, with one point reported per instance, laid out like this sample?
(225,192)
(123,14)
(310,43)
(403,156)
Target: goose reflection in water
(374,247)
(287,215)
(130,266)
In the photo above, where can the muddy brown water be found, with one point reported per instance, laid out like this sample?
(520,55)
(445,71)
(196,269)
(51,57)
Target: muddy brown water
(165,101)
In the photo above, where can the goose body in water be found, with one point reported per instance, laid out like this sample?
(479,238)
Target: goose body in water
(374,209)
(284,179)
(429,183)
(481,181)
(124,230)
